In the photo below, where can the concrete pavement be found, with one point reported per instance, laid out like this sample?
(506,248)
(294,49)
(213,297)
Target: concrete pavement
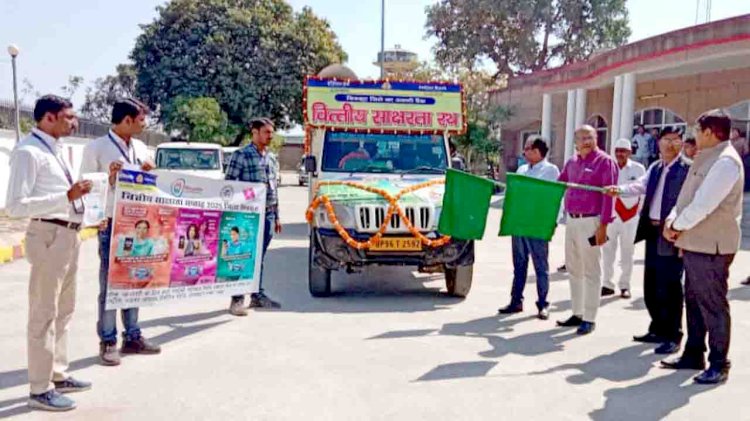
(388,345)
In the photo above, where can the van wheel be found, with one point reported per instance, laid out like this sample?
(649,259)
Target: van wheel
(458,280)
(318,278)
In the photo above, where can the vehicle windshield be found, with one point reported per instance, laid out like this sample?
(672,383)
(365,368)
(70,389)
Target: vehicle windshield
(384,153)
(188,159)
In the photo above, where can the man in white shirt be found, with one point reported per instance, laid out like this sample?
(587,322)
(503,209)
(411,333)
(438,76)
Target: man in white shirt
(642,144)
(41,188)
(108,154)
(663,269)
(622,230)
(705,225)
(535,152)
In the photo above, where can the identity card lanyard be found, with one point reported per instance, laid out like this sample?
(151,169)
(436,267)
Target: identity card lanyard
(77,204)
(122,151)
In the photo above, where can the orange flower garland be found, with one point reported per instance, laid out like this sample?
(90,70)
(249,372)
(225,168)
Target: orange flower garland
(393,208)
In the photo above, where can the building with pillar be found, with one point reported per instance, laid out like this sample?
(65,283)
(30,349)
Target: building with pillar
(667,80)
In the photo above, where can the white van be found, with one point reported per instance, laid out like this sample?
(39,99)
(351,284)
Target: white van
(201,159)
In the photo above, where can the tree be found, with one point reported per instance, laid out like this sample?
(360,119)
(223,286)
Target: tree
(522,36)
(70,89)
(198,120)
(100,99)
(250,55)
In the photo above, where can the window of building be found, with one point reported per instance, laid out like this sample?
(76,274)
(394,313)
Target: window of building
(600,124)
(658,118)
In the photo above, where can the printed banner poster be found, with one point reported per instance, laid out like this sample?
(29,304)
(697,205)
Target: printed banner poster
(178,236)
(390,106)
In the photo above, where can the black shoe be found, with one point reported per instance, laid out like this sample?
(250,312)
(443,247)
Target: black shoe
(511,308)
(573,321)
(261,300)
(606,292)
(543,313)
(684,363)
(746,281)
(667,348)
(625,293)
(586,327)
(562,269)
(649,338)
(139,346)
(713,376)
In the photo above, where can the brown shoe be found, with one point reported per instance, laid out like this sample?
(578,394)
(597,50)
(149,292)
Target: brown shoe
(625,293)
(237,308)
(140,346)
(108,354)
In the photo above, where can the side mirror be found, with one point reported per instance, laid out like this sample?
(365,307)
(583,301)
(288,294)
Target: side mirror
(311,164)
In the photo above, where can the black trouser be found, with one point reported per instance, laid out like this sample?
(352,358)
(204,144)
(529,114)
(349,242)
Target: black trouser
(662,291)
(707,306)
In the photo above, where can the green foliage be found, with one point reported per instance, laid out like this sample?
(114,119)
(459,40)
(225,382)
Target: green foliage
(276,143)
(197,120)
(107,90)
(250,55)
(521,36)
(26,125)
(70,89)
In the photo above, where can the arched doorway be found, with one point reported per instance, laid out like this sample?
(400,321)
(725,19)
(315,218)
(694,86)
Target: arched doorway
(600,124)
(658,118)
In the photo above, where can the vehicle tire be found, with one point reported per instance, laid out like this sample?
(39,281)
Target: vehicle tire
(458,280)
(318,278)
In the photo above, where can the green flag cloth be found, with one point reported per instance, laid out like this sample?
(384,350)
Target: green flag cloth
(531,207)
(465,205)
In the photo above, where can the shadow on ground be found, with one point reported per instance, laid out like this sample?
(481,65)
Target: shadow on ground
(180,327)
(374,290)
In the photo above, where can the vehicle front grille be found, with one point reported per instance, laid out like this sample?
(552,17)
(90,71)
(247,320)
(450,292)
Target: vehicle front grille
(371,217)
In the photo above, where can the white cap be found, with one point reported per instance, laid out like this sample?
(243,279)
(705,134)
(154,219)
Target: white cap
(623,144)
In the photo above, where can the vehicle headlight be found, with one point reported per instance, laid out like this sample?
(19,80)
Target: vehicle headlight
(344,214)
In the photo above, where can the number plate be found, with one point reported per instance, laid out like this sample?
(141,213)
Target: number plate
(397,244)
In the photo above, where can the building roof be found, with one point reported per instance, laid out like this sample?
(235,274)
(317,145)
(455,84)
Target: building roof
(728,39)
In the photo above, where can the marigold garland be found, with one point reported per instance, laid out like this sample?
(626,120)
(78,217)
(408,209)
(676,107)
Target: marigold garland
(393,208)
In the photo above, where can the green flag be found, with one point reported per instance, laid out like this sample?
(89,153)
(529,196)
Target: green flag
(465,205)
(531,207)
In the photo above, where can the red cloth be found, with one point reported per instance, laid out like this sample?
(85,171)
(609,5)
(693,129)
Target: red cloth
(625,213)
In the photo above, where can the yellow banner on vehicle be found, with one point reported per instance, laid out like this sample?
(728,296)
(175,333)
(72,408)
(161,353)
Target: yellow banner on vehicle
(384,107)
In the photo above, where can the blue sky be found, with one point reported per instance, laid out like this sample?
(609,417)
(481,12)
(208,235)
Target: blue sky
(90,37)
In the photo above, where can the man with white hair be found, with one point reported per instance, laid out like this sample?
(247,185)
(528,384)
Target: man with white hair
(588,214)
(622,230)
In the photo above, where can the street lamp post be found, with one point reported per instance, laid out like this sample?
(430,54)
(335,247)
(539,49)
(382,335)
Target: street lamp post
(382,39)
(14,51)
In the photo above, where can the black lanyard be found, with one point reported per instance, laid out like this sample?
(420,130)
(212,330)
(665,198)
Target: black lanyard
(122,151)
(59,161)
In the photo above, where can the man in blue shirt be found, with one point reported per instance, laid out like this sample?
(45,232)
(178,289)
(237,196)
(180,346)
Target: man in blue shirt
(251,164)
(535,153)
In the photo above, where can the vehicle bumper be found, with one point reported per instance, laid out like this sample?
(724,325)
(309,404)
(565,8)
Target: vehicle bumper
(331,252)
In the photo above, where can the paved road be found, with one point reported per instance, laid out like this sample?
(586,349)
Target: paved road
(388,345)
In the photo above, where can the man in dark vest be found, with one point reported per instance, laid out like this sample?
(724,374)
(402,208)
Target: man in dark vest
(662,288)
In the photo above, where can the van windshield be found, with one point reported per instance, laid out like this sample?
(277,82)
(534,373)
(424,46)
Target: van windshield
(188,159)
(384,153)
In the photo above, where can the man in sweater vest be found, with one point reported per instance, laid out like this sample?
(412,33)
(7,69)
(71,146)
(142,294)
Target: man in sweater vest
(662,275)
(705,225)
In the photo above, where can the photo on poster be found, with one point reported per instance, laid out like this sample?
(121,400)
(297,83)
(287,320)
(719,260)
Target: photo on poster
(140,246)
(194,247)
(238,238)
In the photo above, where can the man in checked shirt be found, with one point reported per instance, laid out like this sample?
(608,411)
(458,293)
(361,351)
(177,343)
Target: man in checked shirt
(251,164)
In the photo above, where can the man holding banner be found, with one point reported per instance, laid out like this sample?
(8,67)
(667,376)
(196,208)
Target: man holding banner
(251,164)
(42,188)
(535,152)
(589,213)
(109,154)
